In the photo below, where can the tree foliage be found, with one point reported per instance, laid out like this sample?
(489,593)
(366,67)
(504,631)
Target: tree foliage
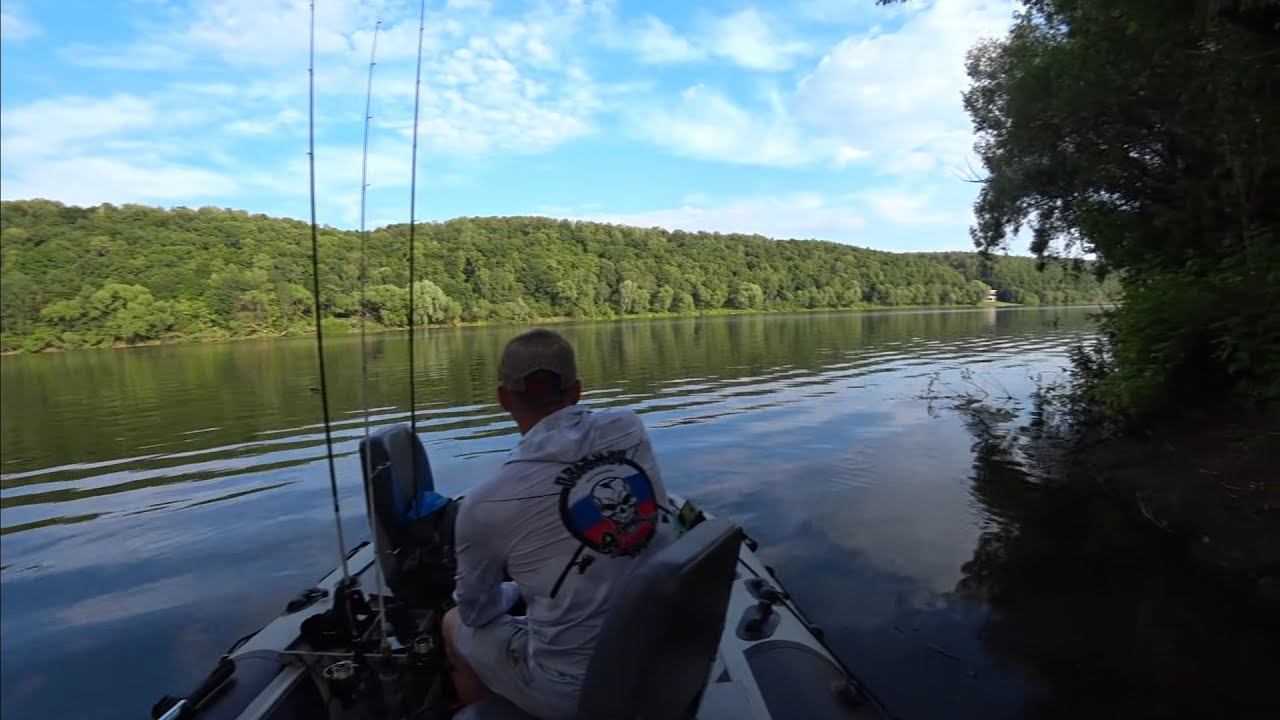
(1019,280)
(107,275)
(1146,132)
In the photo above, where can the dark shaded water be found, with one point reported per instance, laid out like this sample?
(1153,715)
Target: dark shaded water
(158,503)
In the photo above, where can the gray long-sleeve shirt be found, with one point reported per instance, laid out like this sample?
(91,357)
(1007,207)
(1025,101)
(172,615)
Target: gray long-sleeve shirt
(577,504)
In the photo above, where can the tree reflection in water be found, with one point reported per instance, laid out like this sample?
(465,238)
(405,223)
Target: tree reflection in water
(1098,609)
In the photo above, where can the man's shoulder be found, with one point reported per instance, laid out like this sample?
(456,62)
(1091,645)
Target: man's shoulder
(496,487)
(477,507)
(503,500)
(511,481)
(620,413)
(619,420)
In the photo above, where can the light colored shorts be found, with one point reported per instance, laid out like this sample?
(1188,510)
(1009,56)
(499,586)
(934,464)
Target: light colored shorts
(498,652)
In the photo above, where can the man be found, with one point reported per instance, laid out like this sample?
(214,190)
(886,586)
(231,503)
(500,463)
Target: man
(576,506)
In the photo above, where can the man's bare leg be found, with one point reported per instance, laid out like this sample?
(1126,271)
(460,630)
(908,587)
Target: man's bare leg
(465,681)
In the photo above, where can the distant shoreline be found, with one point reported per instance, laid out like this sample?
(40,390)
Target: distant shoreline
(137,276)
(723,312)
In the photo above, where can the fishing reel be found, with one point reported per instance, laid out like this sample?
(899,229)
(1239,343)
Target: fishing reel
(349,618)
(346,680)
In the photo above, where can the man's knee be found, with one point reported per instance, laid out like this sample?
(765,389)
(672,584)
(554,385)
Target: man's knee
(449,627)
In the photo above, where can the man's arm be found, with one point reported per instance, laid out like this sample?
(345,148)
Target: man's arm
(480,592)
(643,455)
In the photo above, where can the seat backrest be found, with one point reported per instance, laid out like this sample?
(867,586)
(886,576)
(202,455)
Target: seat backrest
(657,645)
(397,477)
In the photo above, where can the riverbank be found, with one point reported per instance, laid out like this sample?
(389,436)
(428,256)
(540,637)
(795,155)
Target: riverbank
(1205,479)
(556,320)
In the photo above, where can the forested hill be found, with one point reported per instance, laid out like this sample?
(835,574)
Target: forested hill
(75,277)
(1021,280)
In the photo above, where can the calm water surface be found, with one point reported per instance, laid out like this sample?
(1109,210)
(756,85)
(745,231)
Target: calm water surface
(158,503)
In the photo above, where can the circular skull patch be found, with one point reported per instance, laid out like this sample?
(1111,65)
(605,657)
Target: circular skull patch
(608,504)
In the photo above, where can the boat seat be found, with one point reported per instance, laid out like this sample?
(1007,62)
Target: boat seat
(401,493)
(657,645)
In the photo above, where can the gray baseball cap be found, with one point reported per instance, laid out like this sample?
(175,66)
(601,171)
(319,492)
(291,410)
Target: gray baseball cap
(535,350)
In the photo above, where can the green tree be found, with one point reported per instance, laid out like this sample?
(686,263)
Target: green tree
(63,316)
(662,299)
(977,292)
(1147,133)
(746,296)
(389,304)
(212,272)
(632,298)
(114,313)
(18,303)
(682,302)
(431,306)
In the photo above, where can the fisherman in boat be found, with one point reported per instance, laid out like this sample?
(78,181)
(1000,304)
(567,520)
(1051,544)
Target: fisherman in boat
(572,511)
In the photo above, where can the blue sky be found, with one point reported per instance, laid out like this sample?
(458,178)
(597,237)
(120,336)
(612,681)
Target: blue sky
(830,119)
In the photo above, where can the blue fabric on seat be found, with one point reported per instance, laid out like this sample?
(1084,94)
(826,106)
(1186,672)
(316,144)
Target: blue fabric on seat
(425,504)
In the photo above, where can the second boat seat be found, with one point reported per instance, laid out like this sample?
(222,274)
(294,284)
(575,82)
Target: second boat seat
(658,643)
(412,522)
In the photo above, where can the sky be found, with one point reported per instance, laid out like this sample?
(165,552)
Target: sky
(829,119)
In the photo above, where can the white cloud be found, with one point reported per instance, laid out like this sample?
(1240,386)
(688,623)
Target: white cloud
(14,25)
(90,180)
(338,179)
(287,118)
(844,11)
(656,42)
(244,33)
(514,84)
(482,6)
(745,38)
(139,57)
(890,100)
(706,124)
(503,88)
(481,101)
(49,126)
(117,149)
(793,215)
(497,85)
(909,207)
(897,94)
(846,154)
(748,40)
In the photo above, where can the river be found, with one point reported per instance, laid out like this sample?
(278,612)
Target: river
(158,503)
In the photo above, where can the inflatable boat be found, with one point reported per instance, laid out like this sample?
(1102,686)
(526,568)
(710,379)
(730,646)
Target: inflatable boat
(713,631)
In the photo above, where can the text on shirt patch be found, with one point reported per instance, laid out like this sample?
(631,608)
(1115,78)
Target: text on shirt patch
(608,504)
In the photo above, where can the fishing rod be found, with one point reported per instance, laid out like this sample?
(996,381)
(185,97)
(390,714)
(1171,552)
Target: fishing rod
(413,201)
(364,353)
(315,288)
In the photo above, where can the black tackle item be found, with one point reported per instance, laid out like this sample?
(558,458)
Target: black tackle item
(758,622)
(305,599)
(340,625)
(690,516)
(427,561)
